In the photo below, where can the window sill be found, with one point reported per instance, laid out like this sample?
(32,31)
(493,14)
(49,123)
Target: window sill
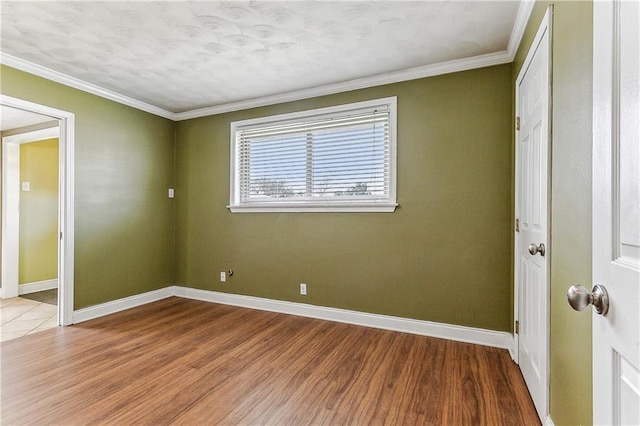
(315,208)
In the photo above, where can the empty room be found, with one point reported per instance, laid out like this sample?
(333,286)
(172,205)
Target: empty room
(320,212)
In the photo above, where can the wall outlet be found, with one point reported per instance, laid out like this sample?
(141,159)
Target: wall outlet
(26,186)
(303,289)
(223,276)
(171,193)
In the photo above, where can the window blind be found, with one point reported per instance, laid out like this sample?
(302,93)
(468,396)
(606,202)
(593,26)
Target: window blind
(342,156)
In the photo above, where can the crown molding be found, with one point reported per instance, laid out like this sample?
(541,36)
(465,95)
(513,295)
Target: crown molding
(67,80)
(360,83)
(481,61)
(522,18)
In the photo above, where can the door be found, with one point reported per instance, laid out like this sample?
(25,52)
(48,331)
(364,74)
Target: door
(616,211)
(531,238)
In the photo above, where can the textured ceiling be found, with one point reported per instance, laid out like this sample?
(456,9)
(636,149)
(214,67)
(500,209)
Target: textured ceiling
(181,56)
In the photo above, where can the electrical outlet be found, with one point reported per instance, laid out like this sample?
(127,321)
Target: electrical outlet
(303,289)
(223,276)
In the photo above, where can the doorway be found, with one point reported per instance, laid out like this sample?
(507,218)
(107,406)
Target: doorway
(65,228)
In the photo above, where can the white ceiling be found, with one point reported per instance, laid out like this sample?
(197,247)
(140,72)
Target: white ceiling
(13,118)
(183,56)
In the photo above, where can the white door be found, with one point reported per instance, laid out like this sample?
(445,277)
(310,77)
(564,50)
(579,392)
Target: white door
(616,211)
(531,238)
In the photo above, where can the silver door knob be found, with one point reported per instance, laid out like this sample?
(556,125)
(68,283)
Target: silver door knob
(534,249)
(579,298)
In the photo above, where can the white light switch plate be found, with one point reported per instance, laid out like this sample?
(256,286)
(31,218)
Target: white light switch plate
(26,186)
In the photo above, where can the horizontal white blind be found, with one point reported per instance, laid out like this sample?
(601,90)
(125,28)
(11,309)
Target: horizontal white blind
(331,158)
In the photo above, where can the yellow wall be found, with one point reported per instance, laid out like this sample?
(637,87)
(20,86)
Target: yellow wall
(38,254)
(570,367)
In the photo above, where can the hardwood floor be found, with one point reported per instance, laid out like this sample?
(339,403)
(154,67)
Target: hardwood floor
(180,361)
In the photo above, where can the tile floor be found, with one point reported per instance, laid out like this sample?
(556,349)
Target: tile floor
(20,317)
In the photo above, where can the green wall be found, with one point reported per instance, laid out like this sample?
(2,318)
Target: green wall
(443,256)
(38,253)
(124,164)
(571,383)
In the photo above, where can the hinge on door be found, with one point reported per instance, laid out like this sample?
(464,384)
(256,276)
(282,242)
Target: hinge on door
(517,327)
(517,225)
(517,123)
(60,235)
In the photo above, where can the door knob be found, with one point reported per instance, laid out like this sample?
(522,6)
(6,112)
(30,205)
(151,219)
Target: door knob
(533,249)
(579,298)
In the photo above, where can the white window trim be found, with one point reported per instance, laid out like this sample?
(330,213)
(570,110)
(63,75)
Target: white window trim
(386,206)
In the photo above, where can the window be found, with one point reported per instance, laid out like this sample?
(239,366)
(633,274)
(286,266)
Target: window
(341,158)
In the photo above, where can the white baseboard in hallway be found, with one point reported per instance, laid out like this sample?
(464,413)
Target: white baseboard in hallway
(37,286)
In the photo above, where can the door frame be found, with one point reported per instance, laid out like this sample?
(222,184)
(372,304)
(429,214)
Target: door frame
(544,28)
(65,202)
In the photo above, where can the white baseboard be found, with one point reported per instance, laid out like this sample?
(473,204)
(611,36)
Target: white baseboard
(513,346)
(549,422)
(458,333)
(37,286)
(103,309)
(497,339)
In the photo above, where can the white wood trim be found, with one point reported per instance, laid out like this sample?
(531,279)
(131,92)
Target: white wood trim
(360,83)
(496,339)
(37,286)
(458,333)
(513,347)
(549,421)
(544,28)
(10,218)
(448,67)
(34,136)
(66,243)
(112,307)
(308,208)
(67,80)
(491,59)
(522,18)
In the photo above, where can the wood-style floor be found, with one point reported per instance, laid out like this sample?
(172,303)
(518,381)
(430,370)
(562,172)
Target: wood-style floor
(182,361)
